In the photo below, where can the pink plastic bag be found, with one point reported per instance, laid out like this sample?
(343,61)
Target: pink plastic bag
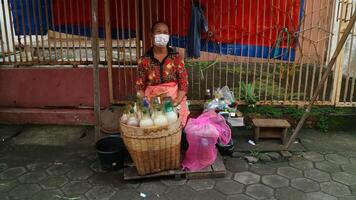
(202,134)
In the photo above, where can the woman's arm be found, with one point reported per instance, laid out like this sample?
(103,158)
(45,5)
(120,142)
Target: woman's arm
(182,76)
(141,78)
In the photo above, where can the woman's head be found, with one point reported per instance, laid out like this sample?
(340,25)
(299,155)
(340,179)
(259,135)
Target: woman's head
(160,33)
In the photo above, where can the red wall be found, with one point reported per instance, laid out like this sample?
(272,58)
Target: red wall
(50,87)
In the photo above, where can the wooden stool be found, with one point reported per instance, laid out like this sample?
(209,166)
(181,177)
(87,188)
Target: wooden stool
(271,128)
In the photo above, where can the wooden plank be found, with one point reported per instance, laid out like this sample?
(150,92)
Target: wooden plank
(130,173)
(218,165)
(214,171)
(280,123)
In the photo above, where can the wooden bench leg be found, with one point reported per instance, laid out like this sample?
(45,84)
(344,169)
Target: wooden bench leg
(257,134)
(284,136)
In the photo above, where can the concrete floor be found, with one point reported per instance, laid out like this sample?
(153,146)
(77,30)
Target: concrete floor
(59,162)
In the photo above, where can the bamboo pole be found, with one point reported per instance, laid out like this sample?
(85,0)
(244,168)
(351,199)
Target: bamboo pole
(109,55)
(338,49)
(95,49)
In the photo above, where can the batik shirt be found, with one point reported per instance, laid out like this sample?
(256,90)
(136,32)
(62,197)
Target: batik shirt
(152,72)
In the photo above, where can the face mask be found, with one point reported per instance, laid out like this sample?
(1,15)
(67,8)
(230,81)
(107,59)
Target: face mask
(161,40)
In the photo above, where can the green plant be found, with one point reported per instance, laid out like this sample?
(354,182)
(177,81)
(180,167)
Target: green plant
(323,124)
(248,92)
(255,153)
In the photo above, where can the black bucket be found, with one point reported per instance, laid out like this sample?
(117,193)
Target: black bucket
(226,149)
(111,151)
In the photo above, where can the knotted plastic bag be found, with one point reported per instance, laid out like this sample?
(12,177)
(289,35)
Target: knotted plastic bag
(202,135)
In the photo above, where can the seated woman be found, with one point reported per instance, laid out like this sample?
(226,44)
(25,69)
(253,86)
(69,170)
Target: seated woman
(161,71)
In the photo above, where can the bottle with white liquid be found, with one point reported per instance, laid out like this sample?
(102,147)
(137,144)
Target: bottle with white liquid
(169,110)
(132,121)
(146,120)
(159,118)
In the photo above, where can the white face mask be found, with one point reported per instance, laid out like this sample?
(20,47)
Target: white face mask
(161,40)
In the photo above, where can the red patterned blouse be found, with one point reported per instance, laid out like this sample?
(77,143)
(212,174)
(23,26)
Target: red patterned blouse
(152,72)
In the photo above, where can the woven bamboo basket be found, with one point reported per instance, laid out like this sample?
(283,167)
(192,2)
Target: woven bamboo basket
(153,149)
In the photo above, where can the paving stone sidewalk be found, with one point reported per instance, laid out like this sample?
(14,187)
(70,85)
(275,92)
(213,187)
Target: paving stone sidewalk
(42,172)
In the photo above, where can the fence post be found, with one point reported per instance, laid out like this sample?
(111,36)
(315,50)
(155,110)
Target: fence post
(341,18)
(108,42)
(95,49)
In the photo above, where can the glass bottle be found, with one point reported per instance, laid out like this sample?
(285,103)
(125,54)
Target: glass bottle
(132,121)
(146,120)
(169,110)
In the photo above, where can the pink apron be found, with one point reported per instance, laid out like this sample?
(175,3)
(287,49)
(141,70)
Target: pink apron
(169,89)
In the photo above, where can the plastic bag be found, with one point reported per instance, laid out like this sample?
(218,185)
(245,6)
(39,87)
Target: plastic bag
(202,135)
(227,94)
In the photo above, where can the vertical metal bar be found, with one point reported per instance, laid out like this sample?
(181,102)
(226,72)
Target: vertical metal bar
(130,45)
(269,53)
(214,32)
(295,63)
(324,27)
(220,62)
(85,33)
(235,42)
(178,22)
(333,3)
(60,32)
(41,28)
(316,47)
(164,10)
(137,24)
(309,55)
(6,32)
(17,22)
(47,27)
(199,74)
(284,64)
(66,29)
(12,31)
(23,30)
(96,81)
(263,39)
(150,20)
(35,24)
(242,43)
(79,32)
(54,29)
(72,31)
(206,47)
(143,25)
(3,54)
(302,56)
(286,88)
(274,60)
(255,47)
(117,44)
(348,71)
(192,73)
(123,44)
(30,32)
(228,38)
(248,47)
(108,41)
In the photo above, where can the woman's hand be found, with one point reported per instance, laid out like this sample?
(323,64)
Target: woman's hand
(141,93)
(180,96)
(176,102)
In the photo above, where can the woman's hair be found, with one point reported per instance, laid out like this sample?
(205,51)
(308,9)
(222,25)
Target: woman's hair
(158,22)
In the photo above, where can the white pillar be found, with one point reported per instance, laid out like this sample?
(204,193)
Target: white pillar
(5,22)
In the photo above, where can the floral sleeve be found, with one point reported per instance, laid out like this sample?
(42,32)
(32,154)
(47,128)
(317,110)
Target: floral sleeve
(141,75)
(182,74)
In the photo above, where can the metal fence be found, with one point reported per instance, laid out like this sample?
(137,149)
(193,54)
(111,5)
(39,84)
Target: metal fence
(57,32)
